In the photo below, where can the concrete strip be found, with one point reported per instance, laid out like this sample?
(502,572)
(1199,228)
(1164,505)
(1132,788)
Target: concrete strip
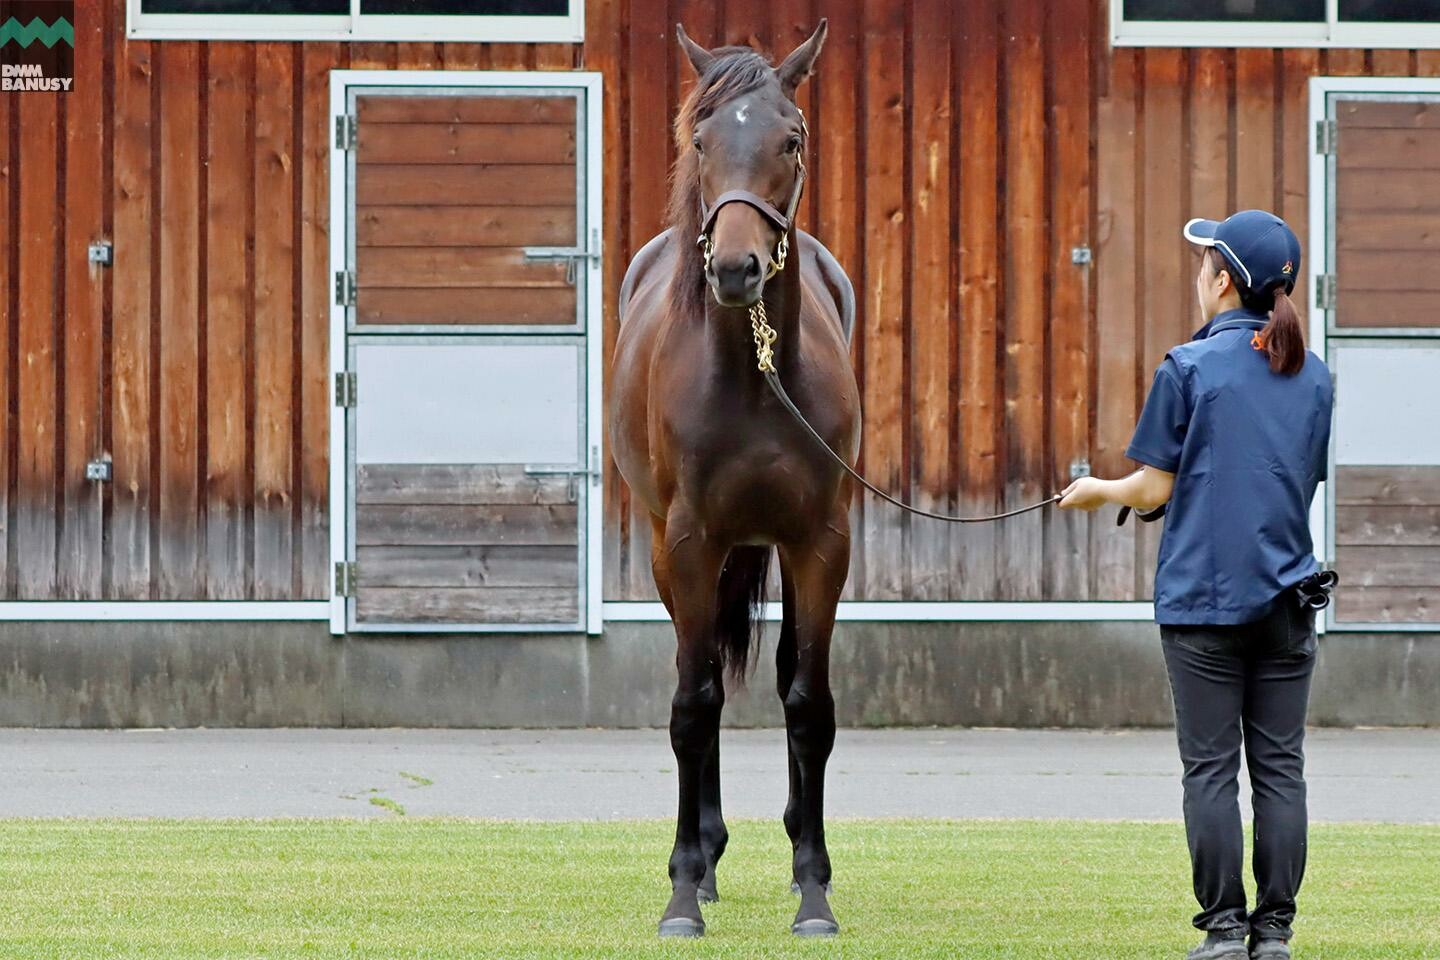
(1381,775)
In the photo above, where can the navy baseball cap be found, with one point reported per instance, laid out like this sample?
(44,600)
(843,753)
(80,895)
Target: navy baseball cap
(1258,245)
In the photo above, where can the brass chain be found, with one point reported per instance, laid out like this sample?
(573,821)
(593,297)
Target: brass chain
(764,337)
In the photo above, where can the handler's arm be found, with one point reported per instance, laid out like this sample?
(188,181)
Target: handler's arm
(1144,490)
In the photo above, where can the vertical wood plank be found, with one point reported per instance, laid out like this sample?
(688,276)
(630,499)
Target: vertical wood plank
(131,347)
(417,56)
(747,23)
(40,233)
(1390,63)
(1297,67)
(1209,93)
(554,56)
(80,563)
(1117,162)
(179,424)
(882,440)
(458,56)
(1344,63)
(1067,534)
(275,318)
(1255,168)
(314,155)
(978,69)
(227,286)
(650,36)
(604,27)
(1166,292)
(509,56)
(1427,63)
(9,320)
(837,136)
(1026,230)
(931,324)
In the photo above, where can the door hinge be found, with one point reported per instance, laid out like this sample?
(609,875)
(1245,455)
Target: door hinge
(346,132)
(345,574)
(347,392)
(1326,290)
(1326,135)
(345,288)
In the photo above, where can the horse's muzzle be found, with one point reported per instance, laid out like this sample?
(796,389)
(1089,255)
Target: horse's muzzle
(738,282)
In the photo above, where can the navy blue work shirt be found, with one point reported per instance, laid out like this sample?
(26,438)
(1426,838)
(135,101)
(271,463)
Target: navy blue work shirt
(1248,447)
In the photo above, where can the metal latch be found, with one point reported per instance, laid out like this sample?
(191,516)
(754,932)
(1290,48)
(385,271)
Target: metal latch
(1327,289)
(347,391)
(1327,132)
(344,288)
(345,579)
(99,470)
(573,473)
(102,253)
(570,255)
(347,132)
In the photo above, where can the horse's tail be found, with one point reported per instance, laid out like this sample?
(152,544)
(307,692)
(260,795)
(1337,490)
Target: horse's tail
(740,607)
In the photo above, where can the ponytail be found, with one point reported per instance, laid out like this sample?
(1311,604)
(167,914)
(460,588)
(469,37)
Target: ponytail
(1282,338)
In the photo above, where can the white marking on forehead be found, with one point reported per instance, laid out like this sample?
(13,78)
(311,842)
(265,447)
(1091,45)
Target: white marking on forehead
(743,114)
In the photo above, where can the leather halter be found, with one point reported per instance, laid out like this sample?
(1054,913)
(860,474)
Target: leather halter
(780,221)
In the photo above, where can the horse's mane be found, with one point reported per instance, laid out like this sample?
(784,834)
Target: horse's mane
(735,72)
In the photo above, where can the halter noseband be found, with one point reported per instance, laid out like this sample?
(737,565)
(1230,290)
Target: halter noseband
(780,221)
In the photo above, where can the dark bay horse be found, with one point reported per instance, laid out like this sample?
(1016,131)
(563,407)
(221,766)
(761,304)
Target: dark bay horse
(725,472)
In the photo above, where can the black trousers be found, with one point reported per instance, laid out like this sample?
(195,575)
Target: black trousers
(1253,682)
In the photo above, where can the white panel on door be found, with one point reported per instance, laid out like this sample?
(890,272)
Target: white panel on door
(491,402)
(1387,405)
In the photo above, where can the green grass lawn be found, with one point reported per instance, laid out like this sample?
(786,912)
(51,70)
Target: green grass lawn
(397,887)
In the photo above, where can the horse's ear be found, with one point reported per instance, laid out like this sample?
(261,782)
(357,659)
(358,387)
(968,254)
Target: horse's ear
(699,57)
(801,62)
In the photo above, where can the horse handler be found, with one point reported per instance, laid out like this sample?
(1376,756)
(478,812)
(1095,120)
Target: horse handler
(1233,439)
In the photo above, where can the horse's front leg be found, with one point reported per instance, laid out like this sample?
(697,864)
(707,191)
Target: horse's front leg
(713,835)
(819,569)
(693,567)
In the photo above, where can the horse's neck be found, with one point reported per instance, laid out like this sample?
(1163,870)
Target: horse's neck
(732,334)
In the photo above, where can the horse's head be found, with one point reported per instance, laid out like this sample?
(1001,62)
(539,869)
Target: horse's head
(748,137)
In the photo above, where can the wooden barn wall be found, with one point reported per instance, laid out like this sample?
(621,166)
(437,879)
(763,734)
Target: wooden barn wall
(960,151)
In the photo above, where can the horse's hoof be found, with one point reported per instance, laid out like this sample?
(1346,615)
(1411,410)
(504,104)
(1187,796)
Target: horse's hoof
(682,927)
(707,895)
(815,927)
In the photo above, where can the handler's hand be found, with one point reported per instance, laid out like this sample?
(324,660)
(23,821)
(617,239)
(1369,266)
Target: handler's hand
(1086,493)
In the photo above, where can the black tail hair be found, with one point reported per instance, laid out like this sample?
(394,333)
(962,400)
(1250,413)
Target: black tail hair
(740,607)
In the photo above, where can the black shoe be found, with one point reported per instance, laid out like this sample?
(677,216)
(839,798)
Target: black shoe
(1218,947)
(1269,950)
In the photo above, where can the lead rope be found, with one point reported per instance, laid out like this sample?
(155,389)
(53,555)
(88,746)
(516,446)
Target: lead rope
(765,337)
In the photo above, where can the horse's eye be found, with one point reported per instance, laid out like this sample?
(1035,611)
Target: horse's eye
(792,145)
(696,144)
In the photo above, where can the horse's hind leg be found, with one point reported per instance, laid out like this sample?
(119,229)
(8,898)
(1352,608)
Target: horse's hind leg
(693,572)
(819,569)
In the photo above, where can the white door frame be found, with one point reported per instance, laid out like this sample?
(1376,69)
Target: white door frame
(1322,261)
(590,83)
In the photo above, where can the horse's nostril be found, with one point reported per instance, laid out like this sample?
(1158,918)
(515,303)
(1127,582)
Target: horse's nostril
(752,266)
